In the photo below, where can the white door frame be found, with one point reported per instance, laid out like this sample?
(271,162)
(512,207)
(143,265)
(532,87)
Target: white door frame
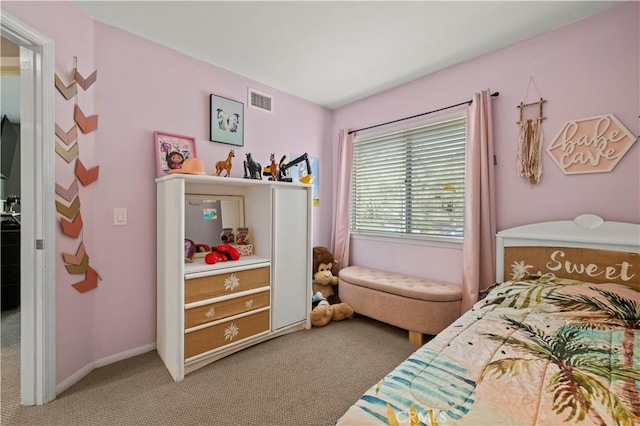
(37,241)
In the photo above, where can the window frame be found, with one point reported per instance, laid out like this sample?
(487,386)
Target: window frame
(406,237)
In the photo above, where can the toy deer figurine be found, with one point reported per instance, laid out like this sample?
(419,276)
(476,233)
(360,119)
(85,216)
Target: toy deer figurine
(226,164)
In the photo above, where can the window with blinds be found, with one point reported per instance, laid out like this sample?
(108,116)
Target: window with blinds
(411,183)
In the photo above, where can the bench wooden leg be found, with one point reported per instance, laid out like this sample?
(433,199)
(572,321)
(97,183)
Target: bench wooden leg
(416,338)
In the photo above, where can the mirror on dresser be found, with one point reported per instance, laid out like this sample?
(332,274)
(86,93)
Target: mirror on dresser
(207,215)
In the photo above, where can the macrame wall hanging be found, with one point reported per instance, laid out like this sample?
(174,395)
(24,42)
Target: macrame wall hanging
(530,142)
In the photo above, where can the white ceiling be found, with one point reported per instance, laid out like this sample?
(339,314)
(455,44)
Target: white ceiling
(336,52)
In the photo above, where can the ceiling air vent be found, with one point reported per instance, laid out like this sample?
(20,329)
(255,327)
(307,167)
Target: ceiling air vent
(260,101)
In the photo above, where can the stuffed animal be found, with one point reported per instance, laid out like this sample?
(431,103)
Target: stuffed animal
(222,253)
(326,304)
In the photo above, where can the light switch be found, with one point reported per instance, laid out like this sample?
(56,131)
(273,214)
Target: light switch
(120,216)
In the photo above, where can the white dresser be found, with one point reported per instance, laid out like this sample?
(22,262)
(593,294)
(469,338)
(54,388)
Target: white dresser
(206,312)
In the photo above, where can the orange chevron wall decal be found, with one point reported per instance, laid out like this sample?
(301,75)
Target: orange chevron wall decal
(68,194)
(86,83)
(68,156)
(86,177)
(67,91)
(75,259)
(79,269)
(67,137)
(72,228)
(70,211)
(86,124)
(89,283)
(77,263)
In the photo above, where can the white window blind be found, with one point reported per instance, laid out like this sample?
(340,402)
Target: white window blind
(411,183)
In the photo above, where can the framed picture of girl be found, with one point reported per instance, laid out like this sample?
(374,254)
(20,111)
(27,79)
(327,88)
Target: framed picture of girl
(171,150)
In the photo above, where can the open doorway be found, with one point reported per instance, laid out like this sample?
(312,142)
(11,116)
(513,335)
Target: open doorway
(37,211)
(10,193)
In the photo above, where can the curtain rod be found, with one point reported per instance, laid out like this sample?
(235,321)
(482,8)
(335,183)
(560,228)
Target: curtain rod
(493,95)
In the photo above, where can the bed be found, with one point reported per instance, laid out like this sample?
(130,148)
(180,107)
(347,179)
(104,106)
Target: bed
(556,340)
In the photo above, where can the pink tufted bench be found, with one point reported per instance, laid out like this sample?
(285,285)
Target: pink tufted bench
(420,305)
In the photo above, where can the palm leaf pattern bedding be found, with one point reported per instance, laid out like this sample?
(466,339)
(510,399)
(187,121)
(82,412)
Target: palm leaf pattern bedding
(536,351)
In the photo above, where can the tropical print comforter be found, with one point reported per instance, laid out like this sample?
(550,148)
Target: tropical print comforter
(536,351)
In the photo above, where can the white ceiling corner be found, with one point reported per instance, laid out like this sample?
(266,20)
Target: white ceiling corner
(336,52)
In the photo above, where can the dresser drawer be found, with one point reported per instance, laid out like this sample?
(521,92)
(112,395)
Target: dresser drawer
(226,283)
(227,332)
(226,308)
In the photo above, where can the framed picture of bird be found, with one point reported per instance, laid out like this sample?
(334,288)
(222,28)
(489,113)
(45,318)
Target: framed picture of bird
(227,121)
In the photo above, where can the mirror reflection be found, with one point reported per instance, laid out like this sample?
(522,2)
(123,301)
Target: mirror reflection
(207,215)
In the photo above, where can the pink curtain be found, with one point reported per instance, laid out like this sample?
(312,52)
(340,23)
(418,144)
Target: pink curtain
(478,251)
(340,238)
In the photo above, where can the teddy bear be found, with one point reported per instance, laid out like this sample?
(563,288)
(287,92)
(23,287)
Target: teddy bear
(326,304)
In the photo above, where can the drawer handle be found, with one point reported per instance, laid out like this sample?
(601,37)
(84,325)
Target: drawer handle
(231,332)
(248,304)
(231,282)
(210,313)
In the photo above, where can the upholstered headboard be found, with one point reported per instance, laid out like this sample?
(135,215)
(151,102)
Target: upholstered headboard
(586,248)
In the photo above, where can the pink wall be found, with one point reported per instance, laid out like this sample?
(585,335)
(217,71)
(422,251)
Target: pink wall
(143,87)
(584,69)
(72,33)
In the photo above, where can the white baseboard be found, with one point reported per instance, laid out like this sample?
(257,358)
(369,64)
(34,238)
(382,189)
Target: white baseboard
(78,375)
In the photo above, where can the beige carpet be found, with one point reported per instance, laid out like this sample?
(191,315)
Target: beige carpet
(10,327)
(306,378)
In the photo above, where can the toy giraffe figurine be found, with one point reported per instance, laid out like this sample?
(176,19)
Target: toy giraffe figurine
(274,168)
(226,164)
